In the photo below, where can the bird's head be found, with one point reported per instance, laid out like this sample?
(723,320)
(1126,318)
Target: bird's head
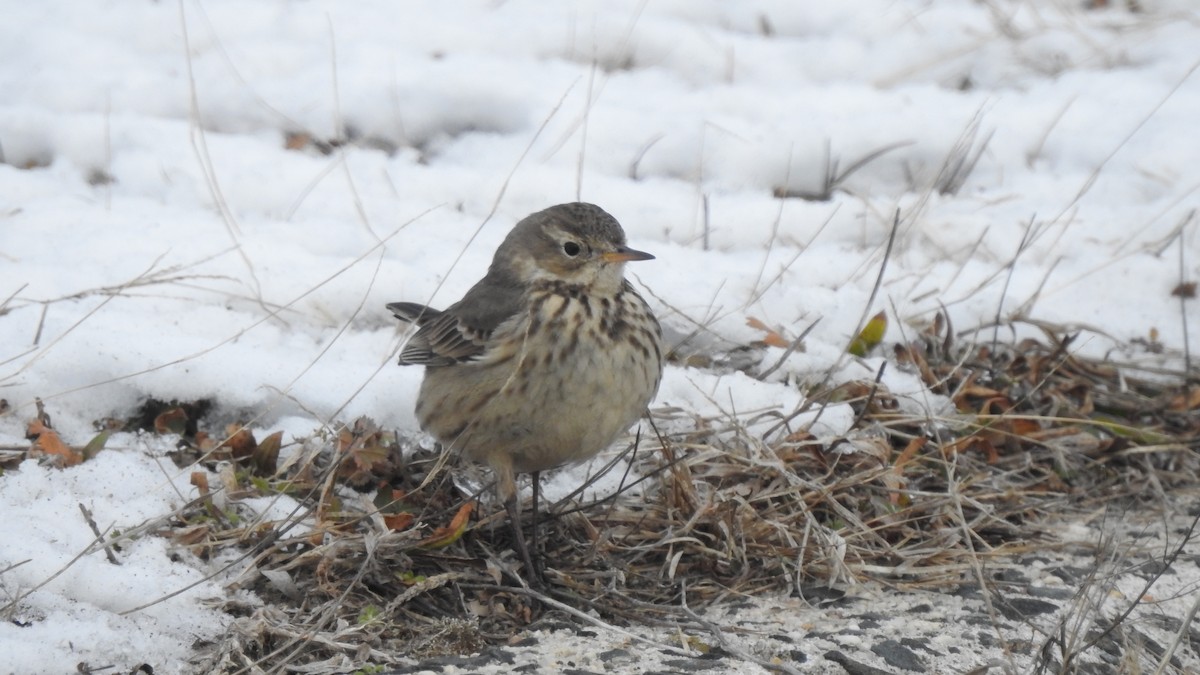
(576,243)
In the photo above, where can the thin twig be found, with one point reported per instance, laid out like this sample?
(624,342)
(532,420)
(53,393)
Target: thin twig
(87,515)
(1026,239)
(791,349)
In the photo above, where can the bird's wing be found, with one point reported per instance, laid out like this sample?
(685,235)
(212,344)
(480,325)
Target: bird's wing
(460,334)
(443,341)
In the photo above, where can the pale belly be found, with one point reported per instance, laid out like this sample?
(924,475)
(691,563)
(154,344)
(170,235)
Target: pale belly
(540,412)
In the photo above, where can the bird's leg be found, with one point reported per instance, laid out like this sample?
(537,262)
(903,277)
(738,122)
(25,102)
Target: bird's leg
(506,487)
(514,519)
(533,536)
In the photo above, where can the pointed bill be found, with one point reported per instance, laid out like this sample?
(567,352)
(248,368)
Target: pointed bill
(625,254)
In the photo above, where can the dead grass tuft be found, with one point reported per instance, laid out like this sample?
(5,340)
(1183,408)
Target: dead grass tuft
(727,507)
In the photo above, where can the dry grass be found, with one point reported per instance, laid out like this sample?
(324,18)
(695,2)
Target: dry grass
(724,511)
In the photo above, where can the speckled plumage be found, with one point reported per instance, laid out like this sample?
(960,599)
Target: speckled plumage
(548,358)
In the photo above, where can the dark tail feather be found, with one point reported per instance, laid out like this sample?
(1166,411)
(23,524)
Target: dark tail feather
(413,312)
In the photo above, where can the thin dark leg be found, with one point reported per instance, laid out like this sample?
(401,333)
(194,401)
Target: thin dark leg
(533,536)
(514,519)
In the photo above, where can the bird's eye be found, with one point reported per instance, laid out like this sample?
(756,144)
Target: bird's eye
(571,248)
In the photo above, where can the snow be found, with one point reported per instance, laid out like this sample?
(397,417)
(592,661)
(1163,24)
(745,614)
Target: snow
(158,239)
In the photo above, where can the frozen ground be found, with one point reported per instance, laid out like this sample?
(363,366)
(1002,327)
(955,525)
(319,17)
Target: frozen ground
(158,237)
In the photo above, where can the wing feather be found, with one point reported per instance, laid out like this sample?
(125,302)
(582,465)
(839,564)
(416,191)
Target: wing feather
(461,333)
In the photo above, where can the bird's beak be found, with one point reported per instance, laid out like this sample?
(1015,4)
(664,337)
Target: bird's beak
(624,254)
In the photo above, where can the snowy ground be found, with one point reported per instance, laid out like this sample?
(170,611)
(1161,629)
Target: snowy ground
(159,238)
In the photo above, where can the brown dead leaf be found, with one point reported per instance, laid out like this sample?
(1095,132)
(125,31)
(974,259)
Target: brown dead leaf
(240,442)
(977,443)
(205,442)
(444,536)
(198,539)
(1024,427)
(914,446)
(367,456)
(397,522)
(370,452)
(979,391)
(199,480)
(1186,290)
(172,421)
(801,436)
(997,405)
(894,479)
(988,448)
(296,140)
(772,338)
(265,458)
(46,443)
(192,534)
(850,391)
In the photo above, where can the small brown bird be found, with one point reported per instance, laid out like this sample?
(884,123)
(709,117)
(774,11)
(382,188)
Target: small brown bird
(546,360)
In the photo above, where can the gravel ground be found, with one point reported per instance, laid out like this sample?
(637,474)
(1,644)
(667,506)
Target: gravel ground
(1016,622)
